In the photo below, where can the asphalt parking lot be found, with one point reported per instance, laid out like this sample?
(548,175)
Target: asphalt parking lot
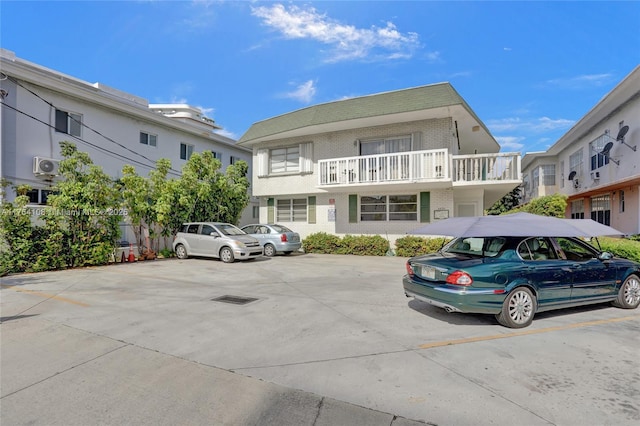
(327,340)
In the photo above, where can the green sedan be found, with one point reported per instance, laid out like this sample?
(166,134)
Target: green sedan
(515,277)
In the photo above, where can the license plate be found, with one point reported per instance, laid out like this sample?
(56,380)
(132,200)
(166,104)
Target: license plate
(428,272)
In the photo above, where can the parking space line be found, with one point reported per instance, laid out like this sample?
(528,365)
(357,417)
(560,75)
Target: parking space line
(525,332)
(45,295)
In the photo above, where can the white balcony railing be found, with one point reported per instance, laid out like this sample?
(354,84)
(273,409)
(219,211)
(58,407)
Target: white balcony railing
(419,166)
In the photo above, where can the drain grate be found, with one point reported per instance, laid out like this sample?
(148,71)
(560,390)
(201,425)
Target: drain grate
(235,300)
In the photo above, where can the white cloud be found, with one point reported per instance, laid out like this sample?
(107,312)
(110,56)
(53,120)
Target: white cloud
(580,81)
(226,133)
(510,143)
(348,42)
(303,93)
(541,124)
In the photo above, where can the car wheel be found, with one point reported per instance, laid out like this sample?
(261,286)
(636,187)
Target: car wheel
(269,250)
(518,308)
(181,252)
(629,294)
(226,255)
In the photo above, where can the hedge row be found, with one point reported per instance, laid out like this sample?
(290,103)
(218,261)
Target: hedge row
(361,245)
(409,246)
(620,247)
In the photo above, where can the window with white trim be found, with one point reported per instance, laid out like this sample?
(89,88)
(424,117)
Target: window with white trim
(388,208)
(577,209)
(601,209)
(595,149)
(148,139)
(575,163)
(69,123)
(548,174)
(621,201)
(186,151)
(291,210)
(285,160)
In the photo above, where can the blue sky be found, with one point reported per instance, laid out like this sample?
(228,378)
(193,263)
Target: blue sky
(529,70)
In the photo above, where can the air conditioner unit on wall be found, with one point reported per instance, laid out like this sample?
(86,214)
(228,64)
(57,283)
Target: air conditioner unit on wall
(45,166)
(576,183)
(595,175)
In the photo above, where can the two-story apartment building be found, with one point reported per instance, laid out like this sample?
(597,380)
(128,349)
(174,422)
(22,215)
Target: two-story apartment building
(597,162)
(380,164)
(41,107)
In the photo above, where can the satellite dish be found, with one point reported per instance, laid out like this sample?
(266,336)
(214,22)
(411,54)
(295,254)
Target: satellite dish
(607,148)
(572,175)
(623,131)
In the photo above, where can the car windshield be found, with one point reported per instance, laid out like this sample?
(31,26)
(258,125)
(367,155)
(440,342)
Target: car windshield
(228,229)
(476,246)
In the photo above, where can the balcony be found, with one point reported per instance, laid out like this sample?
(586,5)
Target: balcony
(434,166)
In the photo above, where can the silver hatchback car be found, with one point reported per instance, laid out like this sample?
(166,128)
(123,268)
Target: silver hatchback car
(213,239)
(274,238)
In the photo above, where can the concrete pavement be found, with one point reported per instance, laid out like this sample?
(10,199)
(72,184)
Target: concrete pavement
(328,340)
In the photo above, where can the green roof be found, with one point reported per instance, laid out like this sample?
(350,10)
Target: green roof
(400,101)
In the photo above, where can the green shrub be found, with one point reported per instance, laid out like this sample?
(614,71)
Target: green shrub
(620,247)
(321,242)
(410,246)
(363,245)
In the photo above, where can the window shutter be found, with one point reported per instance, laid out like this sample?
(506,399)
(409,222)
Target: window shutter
(353,208)
(312,209)
(306,157)
(263,162)
(425,206)
(270,212)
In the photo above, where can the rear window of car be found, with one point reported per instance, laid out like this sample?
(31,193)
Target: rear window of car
(280,228)
(476,246)
(193,229)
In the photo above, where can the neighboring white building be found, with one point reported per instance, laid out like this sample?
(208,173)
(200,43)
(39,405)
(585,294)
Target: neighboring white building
(42,107)
(596,163)
(381,164)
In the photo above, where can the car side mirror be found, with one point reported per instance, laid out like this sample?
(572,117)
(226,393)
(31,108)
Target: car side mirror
(214,234)
(605,255)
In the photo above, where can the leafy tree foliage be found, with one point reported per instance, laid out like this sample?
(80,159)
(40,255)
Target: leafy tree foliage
(86,206)
(506,203)
(550,205)
(80,225)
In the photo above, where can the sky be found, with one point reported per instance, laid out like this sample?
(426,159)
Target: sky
(529,70)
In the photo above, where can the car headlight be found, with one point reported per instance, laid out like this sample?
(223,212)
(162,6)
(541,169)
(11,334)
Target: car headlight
(239,244)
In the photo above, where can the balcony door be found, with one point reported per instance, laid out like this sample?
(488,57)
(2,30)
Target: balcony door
(385,167)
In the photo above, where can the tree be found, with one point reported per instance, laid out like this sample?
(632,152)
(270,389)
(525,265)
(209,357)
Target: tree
(506,203)
(86,205)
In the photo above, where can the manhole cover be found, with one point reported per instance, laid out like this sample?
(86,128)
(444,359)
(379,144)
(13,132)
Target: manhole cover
(236,300)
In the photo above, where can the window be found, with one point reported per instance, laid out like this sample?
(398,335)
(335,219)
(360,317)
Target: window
(577,209)
(575,164)
(548,174)
(285,160)
(217,155)
(562,174)
(291,210)
(186,151)
(388,208)
(595,148)
(386,146)
(621,201)
(69,123)
(207,230)
(39,196)
(256,212)
(536,249)
(234,159)
(148,139)
(601,209)
(536,179)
